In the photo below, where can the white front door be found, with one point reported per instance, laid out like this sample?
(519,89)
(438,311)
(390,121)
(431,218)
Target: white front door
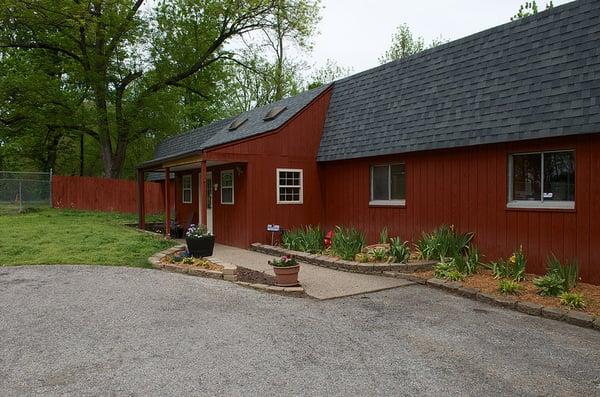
(209,201)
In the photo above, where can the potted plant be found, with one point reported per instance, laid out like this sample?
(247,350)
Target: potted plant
(286,271)
(200,242)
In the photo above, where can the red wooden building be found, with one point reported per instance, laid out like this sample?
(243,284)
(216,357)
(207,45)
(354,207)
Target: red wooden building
(496,133)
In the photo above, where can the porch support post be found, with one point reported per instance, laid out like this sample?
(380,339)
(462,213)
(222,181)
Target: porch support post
(141,209)
(203,193)
(167,202)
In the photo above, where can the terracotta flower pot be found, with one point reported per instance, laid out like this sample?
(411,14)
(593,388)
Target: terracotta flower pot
(286,276)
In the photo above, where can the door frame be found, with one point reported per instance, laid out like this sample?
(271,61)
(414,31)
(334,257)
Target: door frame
(210,204)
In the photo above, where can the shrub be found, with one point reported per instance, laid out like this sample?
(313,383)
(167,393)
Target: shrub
(568,272)
(307,239)
(509,287)
(443,243)
(379,254)
(572,300)
(347,242)
(549,285)
(383,236)
(399,251)
(448,271)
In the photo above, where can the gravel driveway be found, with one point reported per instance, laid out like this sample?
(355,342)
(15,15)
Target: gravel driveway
(83,330)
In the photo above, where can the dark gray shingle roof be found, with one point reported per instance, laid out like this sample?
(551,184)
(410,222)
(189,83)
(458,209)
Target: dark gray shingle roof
(536,77)
(218,132)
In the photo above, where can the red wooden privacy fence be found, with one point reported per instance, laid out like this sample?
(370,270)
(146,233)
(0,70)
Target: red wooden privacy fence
(100,194)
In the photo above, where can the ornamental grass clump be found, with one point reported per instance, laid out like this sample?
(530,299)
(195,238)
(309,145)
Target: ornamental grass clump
(509,287)
(347,242)
(307,239)
(444,242)
(572,300)
(569,272)
(399,250)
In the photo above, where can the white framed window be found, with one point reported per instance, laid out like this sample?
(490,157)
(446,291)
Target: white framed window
(186,189)
(388,184)
(227,189)
(542,180)
(290,186)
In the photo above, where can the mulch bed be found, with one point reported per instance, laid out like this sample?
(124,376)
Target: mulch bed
(485,281)
(254,277)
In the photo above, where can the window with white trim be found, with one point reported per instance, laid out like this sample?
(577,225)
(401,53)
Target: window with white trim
(227,190)
(289,186)
(388,184)
(186,189)
(542,180)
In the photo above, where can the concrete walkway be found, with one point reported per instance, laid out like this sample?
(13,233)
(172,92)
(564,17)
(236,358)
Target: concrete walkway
(318,282)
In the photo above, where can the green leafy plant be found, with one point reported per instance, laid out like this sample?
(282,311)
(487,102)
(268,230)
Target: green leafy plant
(572,300)
(448,271)
(307,239)
(549,285)
(513,268)
(361,257)
(284,261)
(509,287)
(399,251)
(379,254)
(347,242)
(383,236)
(473,260)
(568,272)
(188,261)
(443,242)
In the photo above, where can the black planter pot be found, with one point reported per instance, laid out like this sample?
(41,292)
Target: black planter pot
(200,247)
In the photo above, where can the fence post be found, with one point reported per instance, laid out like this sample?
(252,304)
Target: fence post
(20,197)
(51,188)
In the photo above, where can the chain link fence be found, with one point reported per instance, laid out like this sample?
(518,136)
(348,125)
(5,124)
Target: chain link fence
(22,191)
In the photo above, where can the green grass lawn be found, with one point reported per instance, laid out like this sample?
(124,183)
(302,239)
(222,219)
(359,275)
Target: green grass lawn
(51,236)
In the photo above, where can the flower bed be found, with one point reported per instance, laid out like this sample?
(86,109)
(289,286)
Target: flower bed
(177,260)
(484,281)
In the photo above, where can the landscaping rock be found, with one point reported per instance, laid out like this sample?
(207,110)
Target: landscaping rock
(390,274)
(198,271)
(260,286)
(436,282)
(177,268)
(579,318)
(275,288)
(505,301)
(529,308)
(554,313)
(597,323)
(487,298)
(467,291)
(452,285)
(294,289)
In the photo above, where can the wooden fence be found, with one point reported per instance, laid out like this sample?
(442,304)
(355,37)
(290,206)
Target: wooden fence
(101,194)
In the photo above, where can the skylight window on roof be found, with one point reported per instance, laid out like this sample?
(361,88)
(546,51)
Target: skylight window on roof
(274,112)
(237,123)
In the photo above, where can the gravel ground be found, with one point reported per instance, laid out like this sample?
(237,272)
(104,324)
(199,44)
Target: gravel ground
(84,330)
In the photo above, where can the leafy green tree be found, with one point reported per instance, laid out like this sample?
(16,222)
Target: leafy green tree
(404,44)
(134,65)
(529,8)
(328,73)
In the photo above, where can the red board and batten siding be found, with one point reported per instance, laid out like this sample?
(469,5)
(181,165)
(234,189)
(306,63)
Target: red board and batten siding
(467,187)
(294,145)
(101,194)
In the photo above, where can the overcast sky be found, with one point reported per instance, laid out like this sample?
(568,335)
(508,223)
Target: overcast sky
(355,33)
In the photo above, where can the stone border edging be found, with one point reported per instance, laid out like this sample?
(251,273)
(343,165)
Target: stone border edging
(229,272)
(340,264)
(569,316)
